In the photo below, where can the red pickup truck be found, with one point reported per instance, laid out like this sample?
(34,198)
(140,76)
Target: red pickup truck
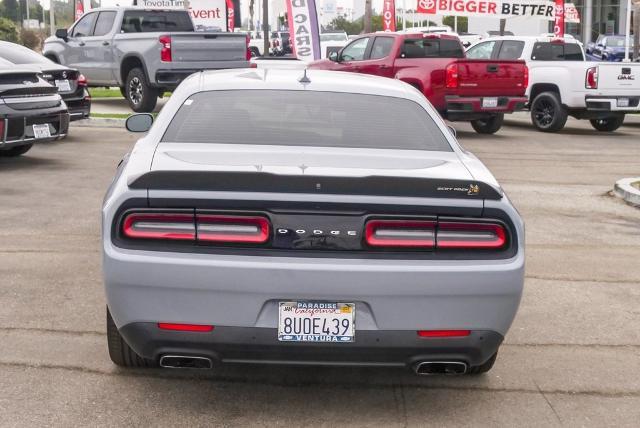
(461,89)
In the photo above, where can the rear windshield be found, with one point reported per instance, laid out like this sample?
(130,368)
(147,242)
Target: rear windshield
(17,54)
(305,118)
(431,48)
(145,21)
(547,51)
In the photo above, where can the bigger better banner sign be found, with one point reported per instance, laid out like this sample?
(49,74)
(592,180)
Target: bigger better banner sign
(497,8)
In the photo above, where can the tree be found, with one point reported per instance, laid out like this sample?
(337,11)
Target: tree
(8,30)
(10,10)
(463,23)
(342,24)
(367,16)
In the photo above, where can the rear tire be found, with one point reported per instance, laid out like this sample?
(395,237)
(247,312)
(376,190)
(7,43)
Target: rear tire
(547,112)
(254,52)
(141,97)
(15,151)
(121,354)
(483,368)
(608,124)
(490,125)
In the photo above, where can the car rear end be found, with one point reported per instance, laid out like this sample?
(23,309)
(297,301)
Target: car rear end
(612,87)
(72,87)
(31,110)
(288,251)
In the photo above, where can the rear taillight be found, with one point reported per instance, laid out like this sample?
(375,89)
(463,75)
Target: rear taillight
(526,76)
(165,50)
(591,79)
(197,328)
(232,229)
(443,333)
(470,235)
(400,233)
(451,79)
(159,226)
(82,81)
(2,121)
(420,234)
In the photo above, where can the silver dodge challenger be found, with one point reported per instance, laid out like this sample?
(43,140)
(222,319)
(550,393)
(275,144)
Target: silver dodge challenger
(319,218)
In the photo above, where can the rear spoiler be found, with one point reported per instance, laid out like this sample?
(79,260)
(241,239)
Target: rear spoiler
(226,181)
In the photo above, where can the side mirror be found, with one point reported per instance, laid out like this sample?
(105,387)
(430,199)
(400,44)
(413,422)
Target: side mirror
(62,33)
(140,122)
(452,130)
(333,56)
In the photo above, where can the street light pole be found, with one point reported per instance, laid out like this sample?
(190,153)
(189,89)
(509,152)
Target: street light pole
(628,33)
(52,21)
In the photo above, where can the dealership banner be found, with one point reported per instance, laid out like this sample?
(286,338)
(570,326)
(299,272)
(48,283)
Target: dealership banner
(207,15)
(497,8)
(79,9)
(389,15)
(304,32)
(230,15)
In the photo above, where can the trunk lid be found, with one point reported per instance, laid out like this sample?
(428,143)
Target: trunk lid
(202,46)
(490,78)
(620,77)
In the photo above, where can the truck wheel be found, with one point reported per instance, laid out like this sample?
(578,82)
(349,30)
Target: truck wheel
(121,354)
(483,368)
(490,125)
(547,112)
(608,124)
(141,97)
(254,52)
(15,151)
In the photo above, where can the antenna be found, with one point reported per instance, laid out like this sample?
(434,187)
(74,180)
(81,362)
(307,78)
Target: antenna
(304,78)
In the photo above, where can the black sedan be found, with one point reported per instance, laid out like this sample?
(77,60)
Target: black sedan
(72,86)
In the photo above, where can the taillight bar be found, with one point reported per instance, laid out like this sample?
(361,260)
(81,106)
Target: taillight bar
(165,50)
(443,333)
(172,226)
(435,234)
(197,328)
(451,76)
(591,79)
(232,229)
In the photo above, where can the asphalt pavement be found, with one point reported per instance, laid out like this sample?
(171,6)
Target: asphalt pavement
(572,357)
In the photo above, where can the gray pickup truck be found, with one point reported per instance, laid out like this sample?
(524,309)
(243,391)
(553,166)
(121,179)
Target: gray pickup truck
(143,51)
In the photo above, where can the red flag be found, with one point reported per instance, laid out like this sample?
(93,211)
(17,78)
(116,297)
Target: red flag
(230,15)
(558,27)
(389,15)
(426,6)
(79,9)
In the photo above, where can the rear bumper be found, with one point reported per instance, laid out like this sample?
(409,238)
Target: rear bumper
(171,78)
(17,133)
(469,108)
(260,345)
(610,103)
(79,105)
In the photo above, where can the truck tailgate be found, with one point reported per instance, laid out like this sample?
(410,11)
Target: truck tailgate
(491,78)
(620,77)
(204,46)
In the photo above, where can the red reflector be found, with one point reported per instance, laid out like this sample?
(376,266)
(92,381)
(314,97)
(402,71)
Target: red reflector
(185,327)
(232,229)
(2,121)
(400,233)
(470,235)
(159,226)
(443,333)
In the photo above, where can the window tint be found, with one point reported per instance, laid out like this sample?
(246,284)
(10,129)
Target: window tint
(511,49)
(355,51)
(16,54)
(381,47)
(84,27)
(104,24)
(547,51)
(305,118)
(142,21)
(431,48)
(481,51)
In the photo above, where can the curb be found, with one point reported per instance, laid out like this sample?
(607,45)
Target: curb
(623,189)
(99,122)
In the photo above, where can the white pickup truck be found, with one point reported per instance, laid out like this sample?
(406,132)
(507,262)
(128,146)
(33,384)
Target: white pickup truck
(562,83)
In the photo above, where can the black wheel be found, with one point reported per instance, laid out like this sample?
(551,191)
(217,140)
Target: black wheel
(15,151)
(141,97)
(488,126)
(608,124)
(255,52)
(547,112)
(483,368)
(121,354)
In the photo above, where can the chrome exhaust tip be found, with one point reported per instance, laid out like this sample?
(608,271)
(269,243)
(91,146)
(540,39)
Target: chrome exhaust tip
(427,368)
(185,362)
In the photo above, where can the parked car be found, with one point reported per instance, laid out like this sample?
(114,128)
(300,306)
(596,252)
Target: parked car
(256,44)
(562,83)
(460,89)
(280,43)
(332,41)
(72,86)
(611,48)
(31,111)
(284,216)
(145,52)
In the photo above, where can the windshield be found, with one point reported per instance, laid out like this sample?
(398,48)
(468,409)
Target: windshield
(17,54)
(618,42)
(334,37)
(308,118)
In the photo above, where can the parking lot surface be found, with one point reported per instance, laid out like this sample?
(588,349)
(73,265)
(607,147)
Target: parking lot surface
(572,357)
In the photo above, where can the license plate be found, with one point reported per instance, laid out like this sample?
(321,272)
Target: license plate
(41,131)
(63,85)
(623,102)
(490,102)
(306,321)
